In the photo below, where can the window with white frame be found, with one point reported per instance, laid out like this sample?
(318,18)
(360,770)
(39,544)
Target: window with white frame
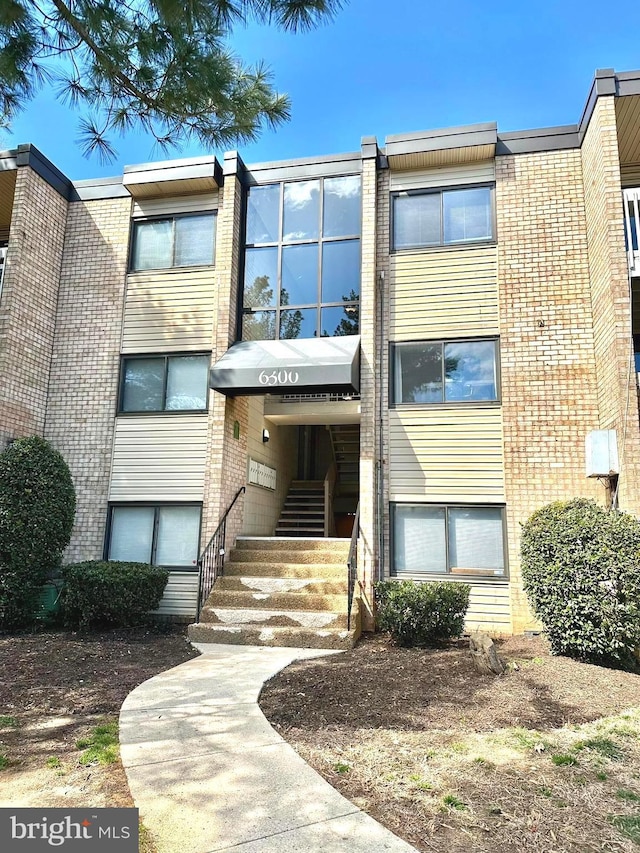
(428,372)
(434,539)
(164,383)
(163,535)
(185,240)
(423,218)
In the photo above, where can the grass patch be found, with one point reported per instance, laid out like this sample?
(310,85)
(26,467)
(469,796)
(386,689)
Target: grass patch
(627,825)
(340,767)
(625,794)
(7,722)
(4,761)
(604,746)
(601,776)
(453,802)
(564,759)
(53,762)
(419,782)
(101,747)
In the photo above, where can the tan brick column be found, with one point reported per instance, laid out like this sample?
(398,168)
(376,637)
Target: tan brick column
(611,303)
(227,457)
(549,387)
(28,304)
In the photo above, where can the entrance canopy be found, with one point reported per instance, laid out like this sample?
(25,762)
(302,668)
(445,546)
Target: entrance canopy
(313,365)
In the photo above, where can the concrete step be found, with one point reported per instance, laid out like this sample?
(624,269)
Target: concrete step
(271,585)
(325,544)
(263,567)
(305,510)
(303,638)
(305,600)
(255,617)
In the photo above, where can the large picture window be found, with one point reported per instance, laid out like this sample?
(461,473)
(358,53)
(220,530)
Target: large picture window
(176,241)
(458,540)
(302,259)
(442,217)
(445,372)
(164,383)
(164,535)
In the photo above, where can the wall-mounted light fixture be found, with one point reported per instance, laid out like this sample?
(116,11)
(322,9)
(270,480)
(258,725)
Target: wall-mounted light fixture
(265,436)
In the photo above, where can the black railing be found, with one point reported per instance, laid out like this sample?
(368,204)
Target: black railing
(352,565)
(211,561)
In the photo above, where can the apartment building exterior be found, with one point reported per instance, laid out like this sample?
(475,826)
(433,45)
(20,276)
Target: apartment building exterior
(428,329)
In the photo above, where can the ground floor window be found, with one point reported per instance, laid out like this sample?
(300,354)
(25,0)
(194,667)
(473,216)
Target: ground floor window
(164,534)
(438,539)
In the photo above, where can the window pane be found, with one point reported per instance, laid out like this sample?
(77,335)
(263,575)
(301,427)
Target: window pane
(342,206)
(419,539)
(178,531)
(416,220)
(467,215)
(259,326)
(299,324)
(195,237)
(341,271)
(301,211)
(187,382)
(470,368)
(263,214)
(143,385)
(152,245)
(476,539)
(418,373)
(260,277)
(299,275)
(339,321)
(131,533)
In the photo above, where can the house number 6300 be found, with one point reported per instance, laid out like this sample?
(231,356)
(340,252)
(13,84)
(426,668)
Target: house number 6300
(279,377)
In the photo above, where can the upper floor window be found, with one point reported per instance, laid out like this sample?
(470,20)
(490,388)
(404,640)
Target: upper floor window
(187,240)
(164,383)
(302,259)
(442,217)
(445,372)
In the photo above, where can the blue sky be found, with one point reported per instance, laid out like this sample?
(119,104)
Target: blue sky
(385,68)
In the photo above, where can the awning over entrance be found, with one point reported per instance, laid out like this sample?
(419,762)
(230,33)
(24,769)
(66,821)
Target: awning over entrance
(306,366)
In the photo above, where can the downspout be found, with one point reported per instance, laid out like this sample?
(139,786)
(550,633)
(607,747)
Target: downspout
(379,459)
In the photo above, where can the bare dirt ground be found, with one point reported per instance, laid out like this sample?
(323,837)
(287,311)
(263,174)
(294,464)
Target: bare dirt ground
(55,688)
(544,759)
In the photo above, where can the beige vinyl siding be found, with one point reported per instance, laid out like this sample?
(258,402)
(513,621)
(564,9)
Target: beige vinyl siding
(444,293)
(446,454)
(180,596)
(159,458)
(177,204)
(169,310)
(630,175)
(489,608)
(443,176)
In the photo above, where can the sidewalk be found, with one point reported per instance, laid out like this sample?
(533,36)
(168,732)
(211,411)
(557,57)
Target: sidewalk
(208,772)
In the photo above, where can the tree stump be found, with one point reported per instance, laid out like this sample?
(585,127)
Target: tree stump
(484,654)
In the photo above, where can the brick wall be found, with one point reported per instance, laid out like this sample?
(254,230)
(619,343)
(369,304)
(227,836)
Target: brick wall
(28,304)
(85,366)
(616,381)
(549,382)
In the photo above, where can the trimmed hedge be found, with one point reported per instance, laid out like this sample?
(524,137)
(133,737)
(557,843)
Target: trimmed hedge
(421,614)
(581,571)
(37,508)
(113,593)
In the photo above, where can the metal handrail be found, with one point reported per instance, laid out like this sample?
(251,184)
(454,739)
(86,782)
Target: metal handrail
(352,565)
(211,561)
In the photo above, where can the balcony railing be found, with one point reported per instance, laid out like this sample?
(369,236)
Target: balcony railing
(3,259)
(631,222)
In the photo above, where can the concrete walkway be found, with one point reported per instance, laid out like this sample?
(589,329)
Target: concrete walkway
(209,773)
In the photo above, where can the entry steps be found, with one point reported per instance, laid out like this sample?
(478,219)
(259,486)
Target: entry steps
(303,510)
(281,592)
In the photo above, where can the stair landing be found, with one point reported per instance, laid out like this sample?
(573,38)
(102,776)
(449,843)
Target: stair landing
(281,591)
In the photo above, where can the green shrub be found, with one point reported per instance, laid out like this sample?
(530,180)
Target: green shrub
(581,571)
(421,614)
(110,593)
(37,508)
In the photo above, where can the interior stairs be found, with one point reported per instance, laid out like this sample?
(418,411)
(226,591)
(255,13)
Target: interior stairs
(303,510)
(281,591)
(346,450)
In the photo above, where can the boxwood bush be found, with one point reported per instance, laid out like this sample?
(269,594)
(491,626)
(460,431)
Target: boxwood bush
(581,571)
(37,508)
(116,594)
(421,614)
